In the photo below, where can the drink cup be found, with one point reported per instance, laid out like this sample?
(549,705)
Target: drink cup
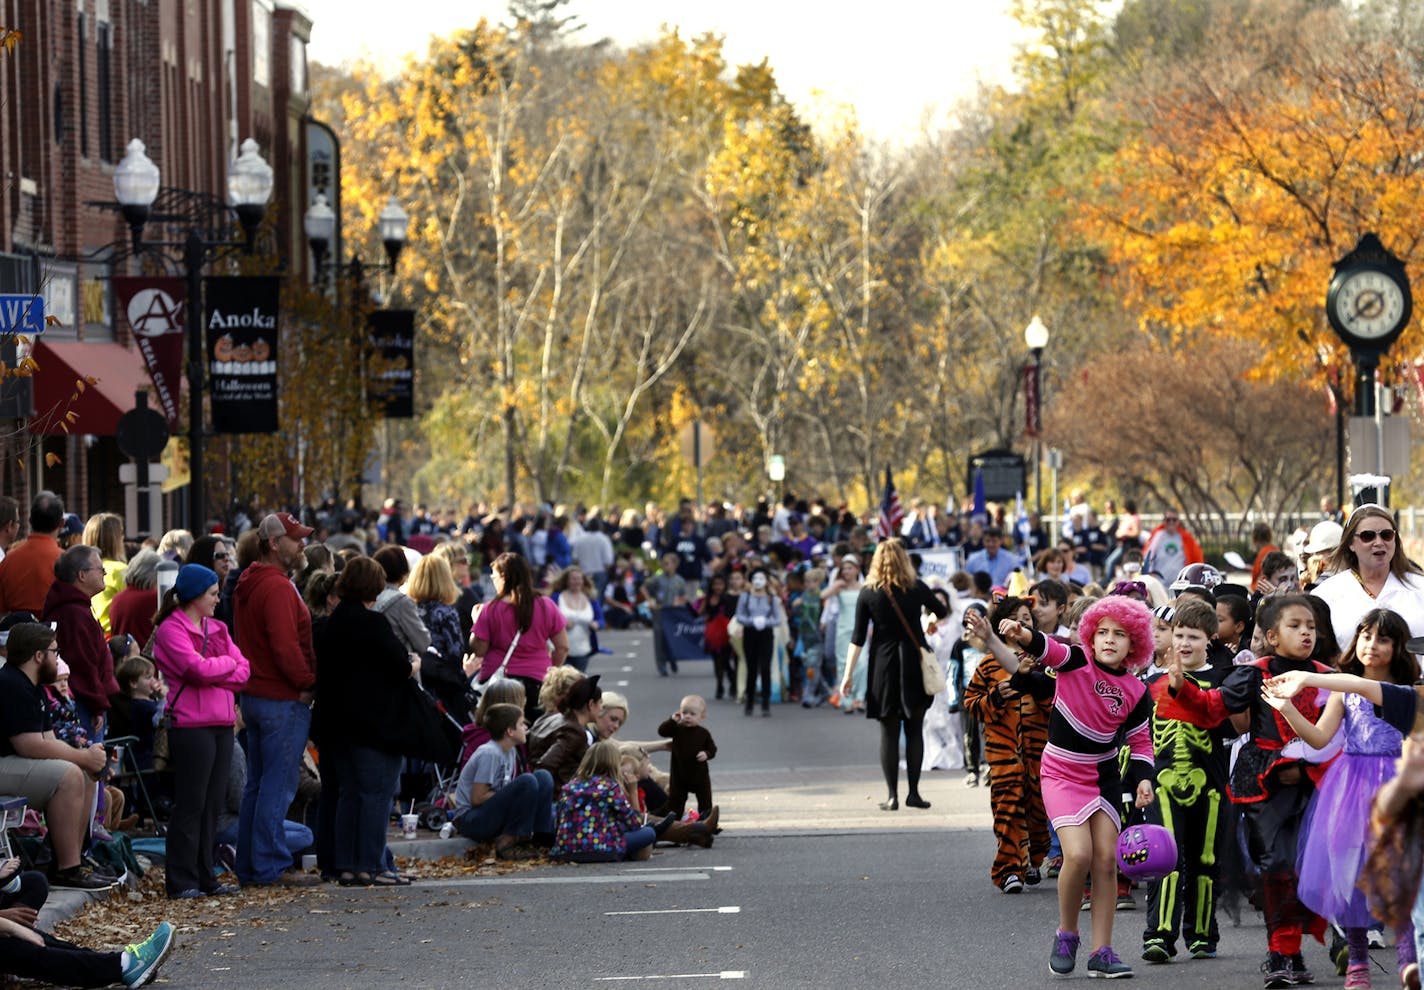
(409,823)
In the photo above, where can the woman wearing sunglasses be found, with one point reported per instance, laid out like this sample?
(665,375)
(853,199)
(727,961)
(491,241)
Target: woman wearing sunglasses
(1371,570)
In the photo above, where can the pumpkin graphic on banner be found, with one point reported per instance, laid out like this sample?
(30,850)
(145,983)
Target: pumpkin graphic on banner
(240,318)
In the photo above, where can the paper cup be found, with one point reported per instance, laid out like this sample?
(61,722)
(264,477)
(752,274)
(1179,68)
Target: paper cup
(409,823)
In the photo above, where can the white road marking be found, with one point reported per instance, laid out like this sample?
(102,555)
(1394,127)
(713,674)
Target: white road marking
(620,683)
(729,909)
(726,974)
(677,869)
(514,879)
(630,656)
(625,670)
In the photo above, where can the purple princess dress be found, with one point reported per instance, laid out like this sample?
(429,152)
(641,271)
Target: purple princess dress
(1337,823)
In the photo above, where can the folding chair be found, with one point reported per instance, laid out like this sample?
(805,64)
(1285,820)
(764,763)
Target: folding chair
(128,772)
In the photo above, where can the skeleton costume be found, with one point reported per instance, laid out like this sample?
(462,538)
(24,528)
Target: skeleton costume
(1191,791)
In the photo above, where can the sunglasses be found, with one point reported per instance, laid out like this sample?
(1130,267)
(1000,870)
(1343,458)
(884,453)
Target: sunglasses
(1368,535)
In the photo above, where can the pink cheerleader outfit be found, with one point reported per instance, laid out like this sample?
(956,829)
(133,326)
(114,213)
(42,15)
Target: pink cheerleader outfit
(1097,710)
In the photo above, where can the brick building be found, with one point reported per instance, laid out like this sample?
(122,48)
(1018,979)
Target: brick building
(191,79)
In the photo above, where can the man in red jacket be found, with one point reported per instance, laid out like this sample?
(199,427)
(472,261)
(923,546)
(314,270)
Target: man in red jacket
(78,577)
(28,570)
(273,630)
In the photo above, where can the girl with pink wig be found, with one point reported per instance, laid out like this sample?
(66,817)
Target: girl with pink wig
(1100,707)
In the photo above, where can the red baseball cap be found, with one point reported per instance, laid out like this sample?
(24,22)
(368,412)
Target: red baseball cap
(282,524)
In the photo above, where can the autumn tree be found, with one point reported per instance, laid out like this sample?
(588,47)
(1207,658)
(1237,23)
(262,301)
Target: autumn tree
(1191,428)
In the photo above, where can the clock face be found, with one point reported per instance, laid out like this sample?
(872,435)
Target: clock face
(1369,304)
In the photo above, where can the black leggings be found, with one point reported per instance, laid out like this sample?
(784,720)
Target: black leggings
(759,645)
(890,752)
(59,962)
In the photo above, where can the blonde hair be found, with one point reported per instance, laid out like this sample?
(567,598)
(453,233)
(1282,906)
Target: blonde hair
(890,568)
(105,532)
(603,759)
(178,541)
(500,691)
(558,681)
(454,553)
(629,790)
(612,699)
(433,581)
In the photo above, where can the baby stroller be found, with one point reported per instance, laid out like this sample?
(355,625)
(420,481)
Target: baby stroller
(431,784)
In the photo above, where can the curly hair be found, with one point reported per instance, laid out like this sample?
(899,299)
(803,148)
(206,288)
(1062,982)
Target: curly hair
(1129,613)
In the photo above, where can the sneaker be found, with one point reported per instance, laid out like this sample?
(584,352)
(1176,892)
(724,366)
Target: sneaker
(141,961)
(1357,976)
(1157,951)
(1125,901)
(81,878)
(1339,950)
(1376,936)
(1300,976)
(226,857)
(1086,904)
(1106,965)
(1065,953)
(1052,867)
(1012,885)
(1277,972)
(1032,877)
(1202,950)
(971,780)
(191,894)
(222,890)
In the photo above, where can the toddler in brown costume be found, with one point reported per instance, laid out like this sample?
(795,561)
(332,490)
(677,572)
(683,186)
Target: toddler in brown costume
(692,747)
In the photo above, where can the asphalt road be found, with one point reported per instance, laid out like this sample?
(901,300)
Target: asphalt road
(809,886)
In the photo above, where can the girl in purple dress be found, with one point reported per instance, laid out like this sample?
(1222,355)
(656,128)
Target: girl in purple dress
(1377,671)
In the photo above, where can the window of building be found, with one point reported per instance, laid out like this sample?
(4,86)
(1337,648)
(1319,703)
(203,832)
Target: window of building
(299,67)
(261,44)
(104,68)
(83,94)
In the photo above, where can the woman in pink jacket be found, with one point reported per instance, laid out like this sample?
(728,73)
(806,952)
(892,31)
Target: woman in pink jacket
(204,670)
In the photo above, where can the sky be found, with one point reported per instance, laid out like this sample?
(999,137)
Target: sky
(893,67)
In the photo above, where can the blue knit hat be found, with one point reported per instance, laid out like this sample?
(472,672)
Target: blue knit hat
(193,580)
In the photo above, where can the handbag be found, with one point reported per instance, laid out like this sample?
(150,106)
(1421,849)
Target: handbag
(161,753)
(426,733)
(930,671)
(476,687)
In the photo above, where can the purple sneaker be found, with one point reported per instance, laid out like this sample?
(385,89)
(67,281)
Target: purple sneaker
(1065,953)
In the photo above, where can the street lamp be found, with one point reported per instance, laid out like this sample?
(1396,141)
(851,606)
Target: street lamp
(319,224)
(249,188)
(1036,337)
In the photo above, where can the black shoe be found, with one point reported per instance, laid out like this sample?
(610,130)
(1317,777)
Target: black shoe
(748,713)
(1277,972)
(766,713)
(915,801)
(672,666)
(662,826)
(1299,975)
(720,692)
(80,878)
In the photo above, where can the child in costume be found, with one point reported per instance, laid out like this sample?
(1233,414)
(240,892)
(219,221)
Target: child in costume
(691,748)
(1013,743)
(1099,705)
(1273,777)
(1336,826)
(1191,790)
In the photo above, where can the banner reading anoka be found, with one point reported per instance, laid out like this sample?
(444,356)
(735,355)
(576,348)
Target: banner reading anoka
(240,317)
(156,313)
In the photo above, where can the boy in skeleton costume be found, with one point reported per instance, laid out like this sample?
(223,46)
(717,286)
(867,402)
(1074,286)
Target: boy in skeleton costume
(1191,793)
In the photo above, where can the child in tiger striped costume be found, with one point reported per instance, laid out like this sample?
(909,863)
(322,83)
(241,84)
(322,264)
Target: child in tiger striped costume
(1015,732)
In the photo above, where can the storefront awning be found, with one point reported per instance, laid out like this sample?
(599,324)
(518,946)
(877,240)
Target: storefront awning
(116,370)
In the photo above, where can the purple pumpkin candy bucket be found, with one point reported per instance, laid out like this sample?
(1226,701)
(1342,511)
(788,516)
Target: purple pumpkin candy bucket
(1146,852)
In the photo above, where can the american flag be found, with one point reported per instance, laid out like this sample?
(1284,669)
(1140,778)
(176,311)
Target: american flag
(892,513)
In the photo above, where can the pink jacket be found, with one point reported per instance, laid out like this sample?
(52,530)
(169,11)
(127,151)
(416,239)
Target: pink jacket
(208,677)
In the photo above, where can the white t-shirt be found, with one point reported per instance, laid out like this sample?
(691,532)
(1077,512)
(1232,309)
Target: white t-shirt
(1349,601)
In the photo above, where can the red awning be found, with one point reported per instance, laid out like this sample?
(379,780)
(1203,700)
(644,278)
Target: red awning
(116,370)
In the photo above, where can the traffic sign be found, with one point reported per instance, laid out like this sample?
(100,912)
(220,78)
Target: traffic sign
(23,313)
(143,432)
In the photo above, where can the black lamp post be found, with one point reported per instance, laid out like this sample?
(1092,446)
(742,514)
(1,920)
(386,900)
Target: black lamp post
(319,223)
(249,188)
(1036,336)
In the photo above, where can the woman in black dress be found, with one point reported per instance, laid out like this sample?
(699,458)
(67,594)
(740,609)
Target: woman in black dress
(895,693)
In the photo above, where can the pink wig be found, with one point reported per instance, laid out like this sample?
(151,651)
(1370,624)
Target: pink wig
(1129,613)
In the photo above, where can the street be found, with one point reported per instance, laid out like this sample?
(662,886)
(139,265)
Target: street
(810,885)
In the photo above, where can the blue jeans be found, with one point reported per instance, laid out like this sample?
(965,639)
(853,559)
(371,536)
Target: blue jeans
(521,807)
(298,836)
(86,721)
(276,739)
(369,778)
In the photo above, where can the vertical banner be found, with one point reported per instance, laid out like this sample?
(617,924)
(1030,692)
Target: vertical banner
(1031,404)
(392,369)
(156,312)
(240,318)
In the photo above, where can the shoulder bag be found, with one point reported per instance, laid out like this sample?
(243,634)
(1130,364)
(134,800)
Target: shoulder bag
(476,686)
(930,671)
